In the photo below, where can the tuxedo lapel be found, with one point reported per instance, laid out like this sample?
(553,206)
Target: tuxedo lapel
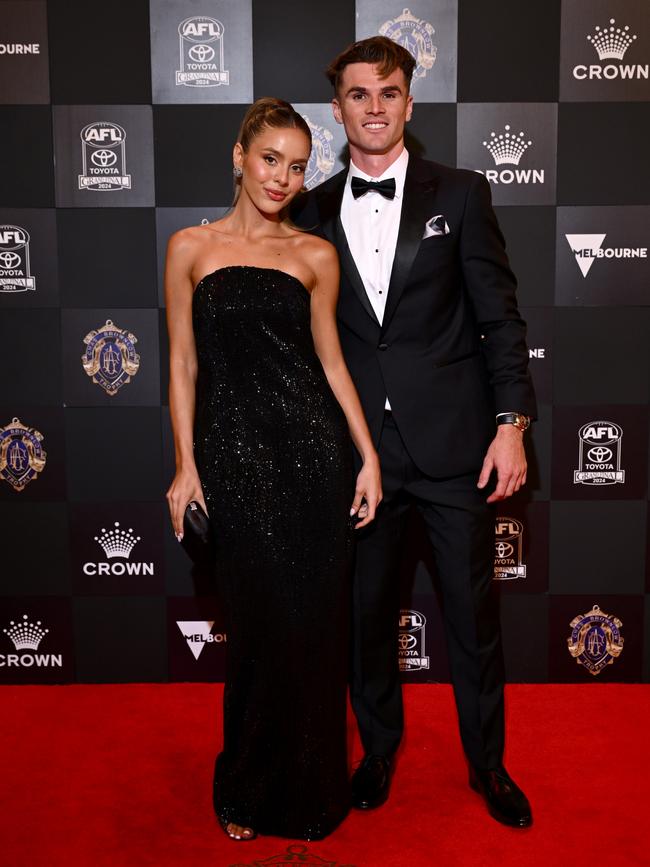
(352,272)
(417,207)
(329,209)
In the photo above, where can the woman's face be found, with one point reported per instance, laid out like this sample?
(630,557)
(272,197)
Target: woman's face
(273,167)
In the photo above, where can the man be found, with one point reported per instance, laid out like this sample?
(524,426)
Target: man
(436,346)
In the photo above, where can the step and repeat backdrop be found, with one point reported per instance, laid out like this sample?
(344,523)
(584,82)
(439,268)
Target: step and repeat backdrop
(117,130)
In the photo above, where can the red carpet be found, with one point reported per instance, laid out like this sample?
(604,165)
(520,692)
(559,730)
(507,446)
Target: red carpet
(120,776)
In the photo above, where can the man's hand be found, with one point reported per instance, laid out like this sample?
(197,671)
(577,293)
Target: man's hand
(505,455)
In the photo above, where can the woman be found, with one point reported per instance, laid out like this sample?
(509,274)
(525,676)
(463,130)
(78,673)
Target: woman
(251,307)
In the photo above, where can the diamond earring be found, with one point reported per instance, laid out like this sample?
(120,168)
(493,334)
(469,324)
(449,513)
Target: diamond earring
(237,172)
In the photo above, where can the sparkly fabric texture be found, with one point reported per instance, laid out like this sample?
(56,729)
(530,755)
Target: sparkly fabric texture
(275,460)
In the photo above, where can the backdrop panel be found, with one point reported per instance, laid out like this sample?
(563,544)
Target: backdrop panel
(113,142)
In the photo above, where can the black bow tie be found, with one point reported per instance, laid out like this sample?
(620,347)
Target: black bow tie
(386,188)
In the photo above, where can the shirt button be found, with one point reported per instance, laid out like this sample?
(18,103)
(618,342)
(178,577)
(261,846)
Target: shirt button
(381,291)
(376,251)
(383,347)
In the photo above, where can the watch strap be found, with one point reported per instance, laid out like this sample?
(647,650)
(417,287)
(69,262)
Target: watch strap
(521,422)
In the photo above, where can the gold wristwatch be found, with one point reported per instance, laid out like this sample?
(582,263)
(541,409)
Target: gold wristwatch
(521,422)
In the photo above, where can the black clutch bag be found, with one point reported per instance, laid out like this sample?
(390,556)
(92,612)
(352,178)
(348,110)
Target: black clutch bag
(197,539)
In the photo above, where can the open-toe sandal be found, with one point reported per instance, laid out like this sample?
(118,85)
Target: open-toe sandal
(244,838)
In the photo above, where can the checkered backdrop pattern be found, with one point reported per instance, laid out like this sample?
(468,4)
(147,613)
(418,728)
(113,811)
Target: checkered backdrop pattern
(117,130)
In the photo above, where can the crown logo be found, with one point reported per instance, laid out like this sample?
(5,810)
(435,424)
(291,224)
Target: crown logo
(507,147)
(25,635)
(611,42)
(116,542)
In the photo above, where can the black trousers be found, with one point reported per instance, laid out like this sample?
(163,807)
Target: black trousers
(460,526)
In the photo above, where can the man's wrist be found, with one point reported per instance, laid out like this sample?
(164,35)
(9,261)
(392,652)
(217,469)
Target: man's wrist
(509,432)
(514,419)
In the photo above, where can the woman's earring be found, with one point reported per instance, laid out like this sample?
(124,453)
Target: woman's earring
(237,172)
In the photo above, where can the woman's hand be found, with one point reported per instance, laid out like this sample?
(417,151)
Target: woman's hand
(185,487)
(368,493)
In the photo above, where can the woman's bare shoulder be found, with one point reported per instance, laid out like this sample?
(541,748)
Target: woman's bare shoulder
(317,249)
(188,239)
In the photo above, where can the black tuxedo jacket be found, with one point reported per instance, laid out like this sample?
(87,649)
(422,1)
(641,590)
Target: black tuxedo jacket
(451,351)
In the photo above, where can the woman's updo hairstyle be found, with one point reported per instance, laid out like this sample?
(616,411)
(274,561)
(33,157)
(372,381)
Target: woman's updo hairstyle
(268,112)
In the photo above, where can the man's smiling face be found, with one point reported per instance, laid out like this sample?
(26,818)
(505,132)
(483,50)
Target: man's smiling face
(372,109)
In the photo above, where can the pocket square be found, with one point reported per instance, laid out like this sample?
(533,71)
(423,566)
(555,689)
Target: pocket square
(435,226)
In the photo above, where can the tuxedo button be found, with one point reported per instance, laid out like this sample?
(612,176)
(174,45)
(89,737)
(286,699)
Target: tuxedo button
(383,347)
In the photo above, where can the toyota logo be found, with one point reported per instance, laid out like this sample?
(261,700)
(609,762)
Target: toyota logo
(9,260)
(103,158)
(201,53)
(504,549)
(599,454)
(407,642)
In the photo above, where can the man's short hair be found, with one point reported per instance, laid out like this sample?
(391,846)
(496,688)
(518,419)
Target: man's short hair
(385,53)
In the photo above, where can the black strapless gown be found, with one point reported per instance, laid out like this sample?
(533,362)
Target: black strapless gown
(274,457)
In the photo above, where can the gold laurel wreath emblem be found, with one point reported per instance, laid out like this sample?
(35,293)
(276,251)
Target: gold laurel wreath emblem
(613,647)
(91,364)
(35,461)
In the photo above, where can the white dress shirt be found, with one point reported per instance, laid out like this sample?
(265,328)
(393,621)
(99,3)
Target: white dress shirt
(371,224)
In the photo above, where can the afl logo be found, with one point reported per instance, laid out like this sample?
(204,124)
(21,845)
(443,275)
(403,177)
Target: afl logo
(22,457)
(508,533)
(103,134)
(411,643)
(600,433)
(599,454)
(415,34)
(103,157)
(322,158)
(201,29)
(201,53)
(14,260)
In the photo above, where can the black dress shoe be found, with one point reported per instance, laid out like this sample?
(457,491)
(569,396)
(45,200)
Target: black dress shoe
(505,801)
(371,782)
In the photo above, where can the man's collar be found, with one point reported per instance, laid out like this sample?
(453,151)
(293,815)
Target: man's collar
(397,170)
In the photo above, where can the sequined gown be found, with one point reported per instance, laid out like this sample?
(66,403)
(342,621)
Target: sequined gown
(274,458)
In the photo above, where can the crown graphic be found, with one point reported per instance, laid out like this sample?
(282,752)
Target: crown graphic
(25,635)
(507,147)
(611,42)
(116,542)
